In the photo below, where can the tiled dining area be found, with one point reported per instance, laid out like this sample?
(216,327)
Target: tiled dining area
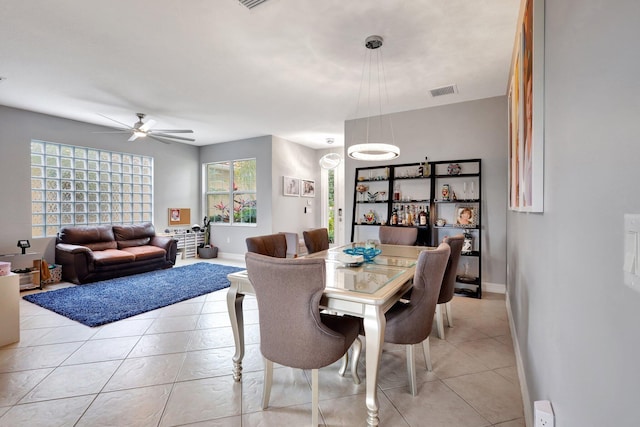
(172,366)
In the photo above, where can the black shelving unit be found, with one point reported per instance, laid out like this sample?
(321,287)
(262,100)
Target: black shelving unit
(401,185)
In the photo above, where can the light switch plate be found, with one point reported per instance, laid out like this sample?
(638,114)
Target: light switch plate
(631,254)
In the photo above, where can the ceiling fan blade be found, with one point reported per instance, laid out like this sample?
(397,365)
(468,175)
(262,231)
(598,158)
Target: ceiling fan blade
(171,131)
(114,131)
(126,126)
(164,135)
(145,127)
(158,139)
(133,137)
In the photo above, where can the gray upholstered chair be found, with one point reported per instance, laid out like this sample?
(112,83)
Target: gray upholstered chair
(410,323)
(293,332)
(273,245)
(316,240)
(398,235)
(448,283)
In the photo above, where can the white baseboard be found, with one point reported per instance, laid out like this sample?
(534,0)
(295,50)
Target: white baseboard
(496,288)
(231,256)
(524,390)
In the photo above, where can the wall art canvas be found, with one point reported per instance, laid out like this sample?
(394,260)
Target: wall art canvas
(525,112)
(290,186)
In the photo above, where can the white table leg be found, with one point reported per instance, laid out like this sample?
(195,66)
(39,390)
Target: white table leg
(374,324)
(234,305)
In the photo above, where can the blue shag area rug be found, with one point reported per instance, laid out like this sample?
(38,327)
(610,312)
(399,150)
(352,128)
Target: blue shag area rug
(107,301)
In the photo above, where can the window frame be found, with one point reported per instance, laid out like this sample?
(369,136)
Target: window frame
(231,193)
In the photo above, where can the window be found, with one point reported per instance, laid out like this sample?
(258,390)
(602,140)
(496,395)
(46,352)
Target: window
(86,186)
(231,192)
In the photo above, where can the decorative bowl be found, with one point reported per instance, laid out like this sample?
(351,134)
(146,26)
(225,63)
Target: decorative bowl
(368,253)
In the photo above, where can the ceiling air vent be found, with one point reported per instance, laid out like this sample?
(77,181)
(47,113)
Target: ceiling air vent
(251,3)
(444,90)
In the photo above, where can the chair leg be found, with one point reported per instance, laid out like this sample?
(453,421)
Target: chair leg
(449,314)
(439,321)
(355,358)
(343,365)
(268,380)
(411,370)
(427,354)
(315,397)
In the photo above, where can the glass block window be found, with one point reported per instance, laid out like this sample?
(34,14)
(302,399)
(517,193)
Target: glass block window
(87,186)
(231,192)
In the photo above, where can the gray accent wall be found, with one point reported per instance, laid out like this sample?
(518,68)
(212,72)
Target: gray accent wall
(230,239)
(176,170)
(577,324)
(476,129)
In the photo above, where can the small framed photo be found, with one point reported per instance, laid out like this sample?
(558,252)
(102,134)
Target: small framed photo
(308,188)
(466,216)
(290,186)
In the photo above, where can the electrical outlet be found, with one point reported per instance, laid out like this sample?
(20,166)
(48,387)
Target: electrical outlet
(543,414)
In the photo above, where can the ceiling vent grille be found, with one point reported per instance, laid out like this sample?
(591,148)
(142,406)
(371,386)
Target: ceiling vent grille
(444,90)
(250,4)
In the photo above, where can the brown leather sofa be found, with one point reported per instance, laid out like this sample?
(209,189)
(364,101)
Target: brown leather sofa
(92,253)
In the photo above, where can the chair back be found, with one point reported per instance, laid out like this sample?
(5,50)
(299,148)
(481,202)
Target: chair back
(288,292)
(449,280)
(398,235)
(316,240)
(273,245)
(411,323)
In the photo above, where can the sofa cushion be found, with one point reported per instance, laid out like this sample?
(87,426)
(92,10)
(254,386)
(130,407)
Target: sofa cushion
(145,252)
(101,246)
(112,256)
(135,242)
(135,231)
(88,234)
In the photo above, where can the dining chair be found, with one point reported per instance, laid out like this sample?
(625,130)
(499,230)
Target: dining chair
(293,331)
(273,245)
(448,284)
(410,323)
(397,235)
(316,240)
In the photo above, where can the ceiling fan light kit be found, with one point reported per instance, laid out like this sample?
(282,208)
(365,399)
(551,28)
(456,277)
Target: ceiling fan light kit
(369,151)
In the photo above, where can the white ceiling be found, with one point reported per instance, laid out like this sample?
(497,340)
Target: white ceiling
(290,68)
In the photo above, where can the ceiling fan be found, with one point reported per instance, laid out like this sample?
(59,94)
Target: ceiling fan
(142,129)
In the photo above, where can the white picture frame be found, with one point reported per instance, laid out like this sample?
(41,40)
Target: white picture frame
(290,186)
(307,188)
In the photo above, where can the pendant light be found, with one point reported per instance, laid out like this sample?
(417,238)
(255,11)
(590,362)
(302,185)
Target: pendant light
(330,160)
(378,150)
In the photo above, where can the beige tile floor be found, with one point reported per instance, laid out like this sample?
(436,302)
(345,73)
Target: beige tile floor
(172,366)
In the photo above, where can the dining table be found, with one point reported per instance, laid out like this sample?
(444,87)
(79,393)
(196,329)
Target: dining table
(363,289)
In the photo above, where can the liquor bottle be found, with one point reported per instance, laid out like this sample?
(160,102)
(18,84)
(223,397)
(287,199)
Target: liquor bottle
(401,216)
(422,217)
(396,192)
(394,217)
(420,170)
(426,171)
(409,216)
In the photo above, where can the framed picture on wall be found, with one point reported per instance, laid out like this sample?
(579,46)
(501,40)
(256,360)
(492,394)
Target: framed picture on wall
(290,186)
(308,188)
(525,112)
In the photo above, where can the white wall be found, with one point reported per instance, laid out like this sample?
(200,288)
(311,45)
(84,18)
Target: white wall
(466,130)
(295,160)
(176,175)
(578,325)
(231,238)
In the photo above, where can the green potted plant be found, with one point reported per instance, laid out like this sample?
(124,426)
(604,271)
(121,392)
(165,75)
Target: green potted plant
(208,250)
